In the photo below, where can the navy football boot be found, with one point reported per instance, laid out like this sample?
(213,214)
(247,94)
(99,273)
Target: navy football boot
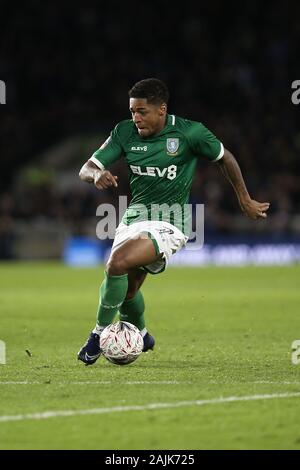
(149,342)
(90,351)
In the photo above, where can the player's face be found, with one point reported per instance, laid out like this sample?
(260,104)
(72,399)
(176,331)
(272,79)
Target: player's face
(149,118)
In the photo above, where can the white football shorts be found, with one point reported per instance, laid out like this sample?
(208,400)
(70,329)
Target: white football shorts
(167,240)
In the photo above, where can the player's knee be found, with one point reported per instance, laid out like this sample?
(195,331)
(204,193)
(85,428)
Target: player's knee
(116,265)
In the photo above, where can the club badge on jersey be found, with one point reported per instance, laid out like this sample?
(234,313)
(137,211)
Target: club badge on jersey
(172,146)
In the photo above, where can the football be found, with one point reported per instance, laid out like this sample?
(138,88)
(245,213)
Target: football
(121,343)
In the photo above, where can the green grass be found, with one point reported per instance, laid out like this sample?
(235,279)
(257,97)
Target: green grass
(219,332)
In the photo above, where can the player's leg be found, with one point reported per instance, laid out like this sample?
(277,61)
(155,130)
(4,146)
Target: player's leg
(133,253)
(133,307)
(136,278)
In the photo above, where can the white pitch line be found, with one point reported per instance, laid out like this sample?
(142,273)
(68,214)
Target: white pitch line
(282,382)
(136,382)
(98,382)
(149,406)
(23,382)
(145,382)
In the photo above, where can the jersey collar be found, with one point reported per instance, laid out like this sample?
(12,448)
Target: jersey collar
(170,123)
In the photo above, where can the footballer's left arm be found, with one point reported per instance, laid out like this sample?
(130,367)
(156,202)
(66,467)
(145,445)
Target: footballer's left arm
(232,172)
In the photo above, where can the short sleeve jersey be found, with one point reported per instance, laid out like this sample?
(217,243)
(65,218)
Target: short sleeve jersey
(161,167)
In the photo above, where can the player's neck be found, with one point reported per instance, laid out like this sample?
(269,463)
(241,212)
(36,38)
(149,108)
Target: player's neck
(162,125)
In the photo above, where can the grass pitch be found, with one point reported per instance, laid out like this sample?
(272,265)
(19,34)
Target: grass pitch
(221,333)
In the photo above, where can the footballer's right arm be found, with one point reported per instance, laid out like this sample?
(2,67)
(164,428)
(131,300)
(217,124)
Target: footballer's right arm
(101,178)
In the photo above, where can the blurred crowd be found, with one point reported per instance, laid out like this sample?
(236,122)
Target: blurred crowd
(68,69)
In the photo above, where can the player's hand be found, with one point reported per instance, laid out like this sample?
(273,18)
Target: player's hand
(104,179)
(255,209)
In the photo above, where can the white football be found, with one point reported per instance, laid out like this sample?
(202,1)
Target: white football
(121,343)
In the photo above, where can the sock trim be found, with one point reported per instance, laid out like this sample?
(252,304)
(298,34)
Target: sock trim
(111,306)
(115,277)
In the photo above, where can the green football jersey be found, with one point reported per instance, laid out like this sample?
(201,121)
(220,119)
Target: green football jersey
(161,167)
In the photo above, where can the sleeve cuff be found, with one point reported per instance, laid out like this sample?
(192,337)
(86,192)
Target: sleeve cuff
(96,161)
(221,154)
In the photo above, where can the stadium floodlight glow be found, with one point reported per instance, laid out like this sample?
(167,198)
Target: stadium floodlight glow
(2,92)
(296,94)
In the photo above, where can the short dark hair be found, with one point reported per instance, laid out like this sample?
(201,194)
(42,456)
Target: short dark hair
(153,90)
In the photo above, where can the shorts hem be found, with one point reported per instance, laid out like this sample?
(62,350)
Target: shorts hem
(156,272)
(154,241)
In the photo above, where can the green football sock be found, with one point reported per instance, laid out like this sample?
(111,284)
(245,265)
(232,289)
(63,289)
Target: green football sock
(132,310)
(112,294)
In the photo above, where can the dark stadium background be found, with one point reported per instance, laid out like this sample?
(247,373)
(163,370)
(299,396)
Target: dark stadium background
(67,69)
